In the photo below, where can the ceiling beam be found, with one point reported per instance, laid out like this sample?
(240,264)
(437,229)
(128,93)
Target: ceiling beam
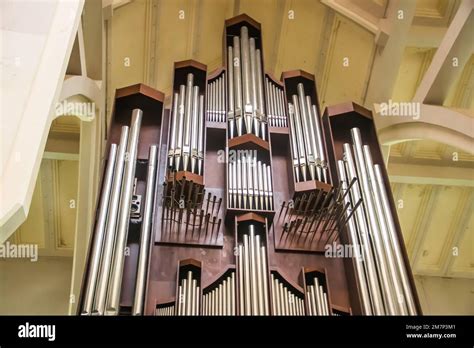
(350,10)
(430,175)
(434,84)
(388,58)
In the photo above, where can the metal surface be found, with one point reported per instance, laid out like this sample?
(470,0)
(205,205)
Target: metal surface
(145,233)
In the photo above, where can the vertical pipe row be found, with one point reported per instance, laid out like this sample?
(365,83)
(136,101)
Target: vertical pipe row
(221,299)
(246,112)
(216,96)
(250,183)
(189,296)
(186,142)
(386,289)
(317,299)
(285,300)
(307,149)
(276,105)
(253,273)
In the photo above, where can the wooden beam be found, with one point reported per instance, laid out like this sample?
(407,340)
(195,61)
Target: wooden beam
(448,45)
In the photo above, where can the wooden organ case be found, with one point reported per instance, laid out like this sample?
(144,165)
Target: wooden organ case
(237,194)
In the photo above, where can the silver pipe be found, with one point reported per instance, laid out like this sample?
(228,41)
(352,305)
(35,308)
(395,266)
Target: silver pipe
(321,300)
(99,231)
(201,136)
(326,303)
(213,302)
(248,306)
(299,118)
(398,297)
(363,233)
(308,301)
(238,86)
(294,147)
(395,242)
(276,289)
(260,184)
(234,183)
(313,300)
(179,139)
(228,297)
(244,37)
(219,98)
(371,215)
(243,173)
(232,293)
(110,231)
(282,299)
(308,127)
(314,134)
(299,138)
(194,129)
(224,297)
(265,185)
(260,93)
(182,299)
(253,271)
(230,193)
(319,304)
(270,189)
(240,259)
(255,181)
(249,174)
(322,155)
(239,183)
(192,297)
(259,284)
(188,293)
(357,260)
(113,299)
(265,279)
(272,280)
(174,125)
(145,233)
(230,89)
(253,89)
(187,121)
(279,106)
(253,75)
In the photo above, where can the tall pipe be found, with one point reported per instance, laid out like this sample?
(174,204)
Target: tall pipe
(395,242)
(373,223)
(194,129)
(99,231)
(308,127)
(398,296)
(260,274)
(248,305)
(201,136)
(358,260)
(260,93)
(253,271)
(180,125)
(322,155)
(265,279)
(238,86)
(173,130)
(110,232)
(145,233)
(124,214)
(230,90)
(363,234)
